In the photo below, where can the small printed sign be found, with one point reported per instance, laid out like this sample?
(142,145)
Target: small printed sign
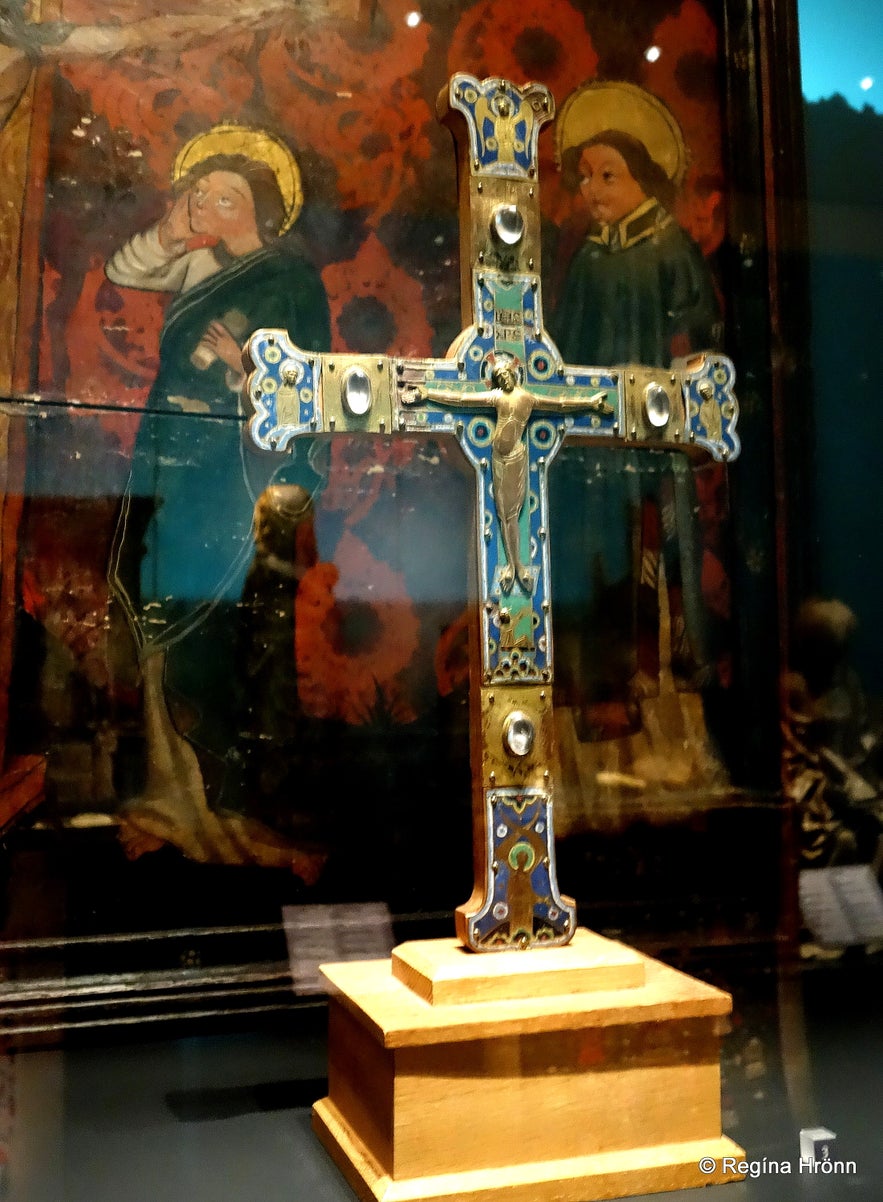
(842,906)
(330,934)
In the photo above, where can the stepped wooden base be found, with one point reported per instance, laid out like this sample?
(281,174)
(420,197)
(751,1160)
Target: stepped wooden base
(597,1080)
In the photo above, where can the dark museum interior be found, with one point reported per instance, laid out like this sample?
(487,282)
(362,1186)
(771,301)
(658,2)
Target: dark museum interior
(437,541)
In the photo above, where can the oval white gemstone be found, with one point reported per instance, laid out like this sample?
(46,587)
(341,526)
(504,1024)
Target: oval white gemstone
(355,390)
(657,405)
(518,734)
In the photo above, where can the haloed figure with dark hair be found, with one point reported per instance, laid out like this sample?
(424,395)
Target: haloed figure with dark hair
(638,290)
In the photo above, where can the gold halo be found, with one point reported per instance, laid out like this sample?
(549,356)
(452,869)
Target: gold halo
(596,107)
(254,144)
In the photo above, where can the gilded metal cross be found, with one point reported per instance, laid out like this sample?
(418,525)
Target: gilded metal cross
(504,393)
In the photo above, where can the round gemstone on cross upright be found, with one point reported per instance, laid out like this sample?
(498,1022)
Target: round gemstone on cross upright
(507,224)
(519,733)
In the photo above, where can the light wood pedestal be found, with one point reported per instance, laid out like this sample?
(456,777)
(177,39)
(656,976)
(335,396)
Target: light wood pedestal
(557,1075)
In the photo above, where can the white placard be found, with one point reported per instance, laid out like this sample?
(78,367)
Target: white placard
(843,905)
(329,934)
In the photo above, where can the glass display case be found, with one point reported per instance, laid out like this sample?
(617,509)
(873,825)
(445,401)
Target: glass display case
(236,682)
(238,670)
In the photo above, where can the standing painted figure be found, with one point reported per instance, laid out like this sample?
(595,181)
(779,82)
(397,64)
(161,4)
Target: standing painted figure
(185,538)
(637,291)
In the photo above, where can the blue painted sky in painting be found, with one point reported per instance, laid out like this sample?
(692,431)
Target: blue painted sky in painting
(841,50)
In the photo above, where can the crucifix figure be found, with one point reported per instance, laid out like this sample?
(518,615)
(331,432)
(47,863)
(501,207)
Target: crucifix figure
(509,458)
(505,394)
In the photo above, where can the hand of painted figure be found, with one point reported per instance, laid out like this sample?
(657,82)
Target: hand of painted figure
(175,227)
(218,343)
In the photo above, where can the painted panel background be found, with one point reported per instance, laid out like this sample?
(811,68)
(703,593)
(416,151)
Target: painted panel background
(100,104)
(354,98)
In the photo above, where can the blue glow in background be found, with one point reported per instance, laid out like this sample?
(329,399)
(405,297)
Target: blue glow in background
(839,47)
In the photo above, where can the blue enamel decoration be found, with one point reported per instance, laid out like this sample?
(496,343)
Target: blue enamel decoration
(522,903)
(504,392)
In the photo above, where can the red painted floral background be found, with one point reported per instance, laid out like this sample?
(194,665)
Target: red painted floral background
(354,97)
(355,100)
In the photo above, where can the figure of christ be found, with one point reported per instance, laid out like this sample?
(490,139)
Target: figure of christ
(514,406)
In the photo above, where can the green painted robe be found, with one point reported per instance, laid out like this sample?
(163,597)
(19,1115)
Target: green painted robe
(638,292)
(184,541)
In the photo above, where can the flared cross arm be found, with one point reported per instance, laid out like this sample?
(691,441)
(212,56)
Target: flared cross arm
(504,393)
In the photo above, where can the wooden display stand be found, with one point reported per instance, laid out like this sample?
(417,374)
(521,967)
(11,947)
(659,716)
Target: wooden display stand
(583,1072)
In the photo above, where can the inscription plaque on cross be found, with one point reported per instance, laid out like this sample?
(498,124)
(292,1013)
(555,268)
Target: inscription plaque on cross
(504,393)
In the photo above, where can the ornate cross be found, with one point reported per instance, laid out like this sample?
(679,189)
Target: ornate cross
(504,393)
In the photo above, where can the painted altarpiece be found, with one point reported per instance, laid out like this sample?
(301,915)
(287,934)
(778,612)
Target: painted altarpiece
(338,683)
